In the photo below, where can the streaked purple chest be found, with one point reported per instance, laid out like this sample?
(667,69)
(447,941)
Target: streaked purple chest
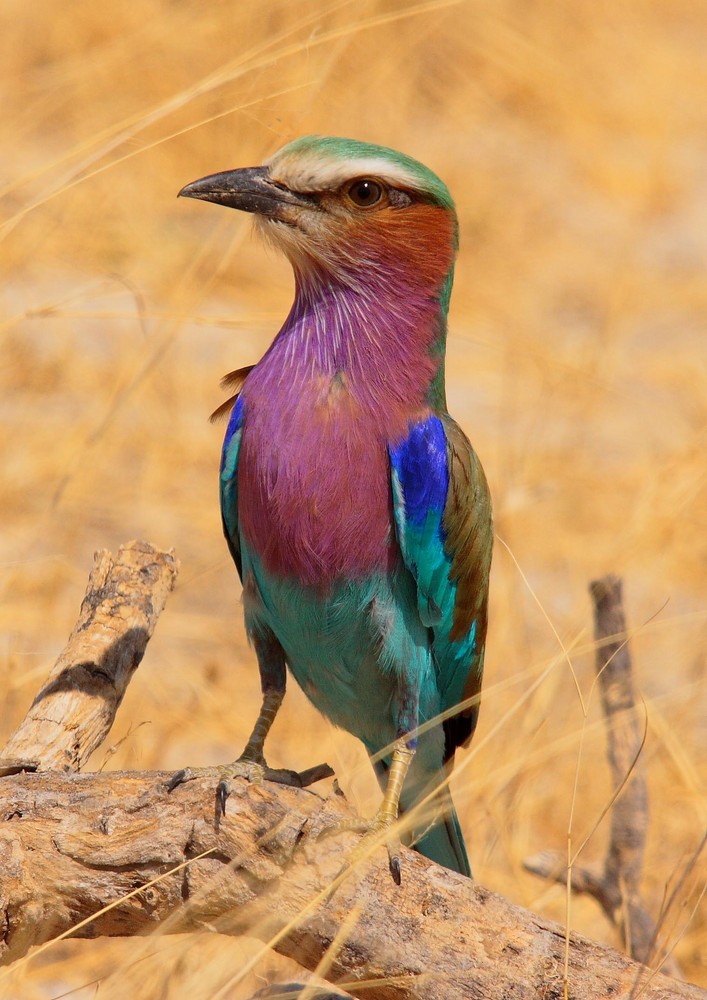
(314,481)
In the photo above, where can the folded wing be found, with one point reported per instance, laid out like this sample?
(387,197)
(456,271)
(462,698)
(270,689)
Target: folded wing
(442,511)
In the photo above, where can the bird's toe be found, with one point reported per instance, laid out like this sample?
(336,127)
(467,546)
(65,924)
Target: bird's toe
(381,829)
(252,771)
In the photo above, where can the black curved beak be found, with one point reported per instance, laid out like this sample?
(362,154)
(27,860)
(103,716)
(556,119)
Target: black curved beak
(248,189)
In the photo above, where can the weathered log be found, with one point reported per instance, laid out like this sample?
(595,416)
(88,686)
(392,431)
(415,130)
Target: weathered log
(73,845)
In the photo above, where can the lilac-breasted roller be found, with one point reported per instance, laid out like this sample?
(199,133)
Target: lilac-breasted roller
(354,507)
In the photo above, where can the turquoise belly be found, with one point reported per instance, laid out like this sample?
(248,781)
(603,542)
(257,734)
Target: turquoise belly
(351,650)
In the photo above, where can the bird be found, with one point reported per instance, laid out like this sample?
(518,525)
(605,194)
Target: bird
(355,509)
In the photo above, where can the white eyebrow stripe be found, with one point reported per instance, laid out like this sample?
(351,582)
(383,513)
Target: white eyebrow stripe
(321,173)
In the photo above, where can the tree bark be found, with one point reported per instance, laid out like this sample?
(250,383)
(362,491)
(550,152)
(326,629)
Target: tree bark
(629,814)
(71,845)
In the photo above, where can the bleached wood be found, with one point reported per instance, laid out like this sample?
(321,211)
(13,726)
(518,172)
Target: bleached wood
(75,708)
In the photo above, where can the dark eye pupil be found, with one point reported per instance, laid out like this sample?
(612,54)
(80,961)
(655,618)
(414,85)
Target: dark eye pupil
(365,193)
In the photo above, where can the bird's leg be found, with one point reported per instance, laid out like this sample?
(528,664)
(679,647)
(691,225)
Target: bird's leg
(253,752)
(402,758)
(386,818)
(252,764)
(382,827)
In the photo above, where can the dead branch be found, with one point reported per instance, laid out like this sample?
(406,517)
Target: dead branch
(615,885)
(71,845)
(75,709)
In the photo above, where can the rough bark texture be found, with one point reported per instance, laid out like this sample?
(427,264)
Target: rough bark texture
(70,844)
(75,709)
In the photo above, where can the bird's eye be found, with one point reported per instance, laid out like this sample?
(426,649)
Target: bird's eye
(365,193)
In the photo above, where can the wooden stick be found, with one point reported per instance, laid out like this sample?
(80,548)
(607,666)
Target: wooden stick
(74,711)
(629,815)
(616,886)
(76,707)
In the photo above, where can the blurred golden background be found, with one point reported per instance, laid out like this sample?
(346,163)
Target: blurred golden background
(574,139)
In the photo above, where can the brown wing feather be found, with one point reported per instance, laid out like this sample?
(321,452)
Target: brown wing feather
(233,380)
(468,526)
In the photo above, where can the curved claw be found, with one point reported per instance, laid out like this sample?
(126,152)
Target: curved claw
(253,771)
(385,820)
(373,828)
(179,778)
(222,792)
(394,866)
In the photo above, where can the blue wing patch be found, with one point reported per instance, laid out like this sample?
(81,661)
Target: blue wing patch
(420,462)
(229,482)
(420,481)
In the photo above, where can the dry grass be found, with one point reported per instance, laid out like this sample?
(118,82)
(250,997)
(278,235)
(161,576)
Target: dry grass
(573,137)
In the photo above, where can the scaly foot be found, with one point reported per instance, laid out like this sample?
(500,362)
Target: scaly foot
(255,771)
(381,829)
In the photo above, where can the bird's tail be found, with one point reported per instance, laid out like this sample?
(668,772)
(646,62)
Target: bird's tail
(437,835)
(440,839)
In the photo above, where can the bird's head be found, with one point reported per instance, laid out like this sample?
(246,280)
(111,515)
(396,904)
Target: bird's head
(348,211)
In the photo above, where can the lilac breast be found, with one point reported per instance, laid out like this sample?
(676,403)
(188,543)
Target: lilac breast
(343,378)
(313,481)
